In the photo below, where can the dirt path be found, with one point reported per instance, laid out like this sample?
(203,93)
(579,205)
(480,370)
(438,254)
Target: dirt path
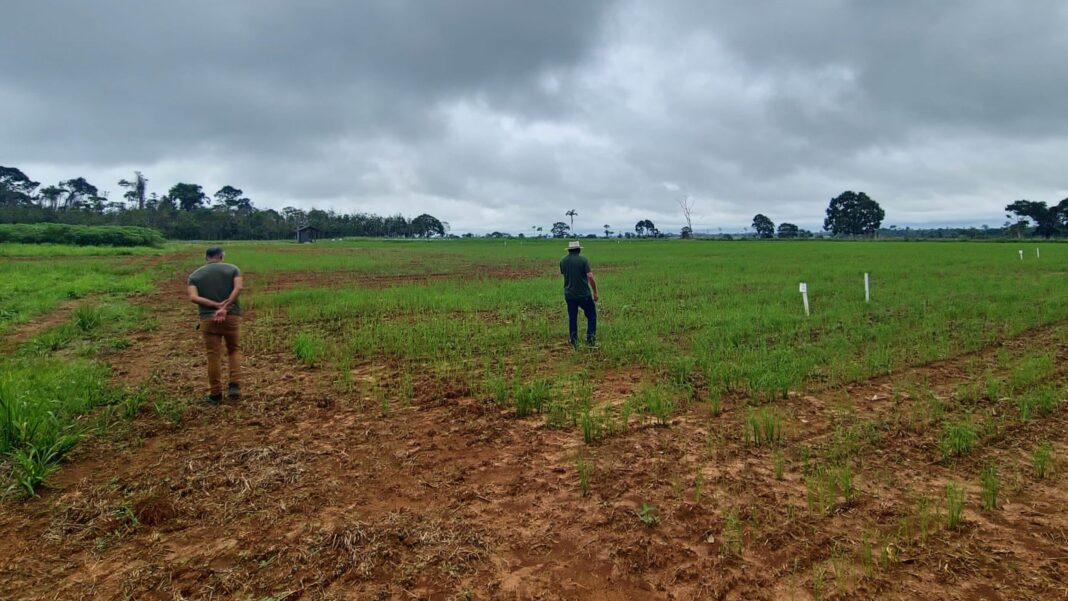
(303,491)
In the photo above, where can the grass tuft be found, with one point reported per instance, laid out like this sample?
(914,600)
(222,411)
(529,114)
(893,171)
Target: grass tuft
(990,483)
(585,470)
(1041,459)
(954,505)
(309,348)
(957,439)
(763,426)
(532,398)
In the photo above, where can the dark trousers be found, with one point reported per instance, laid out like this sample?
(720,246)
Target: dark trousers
(590,309)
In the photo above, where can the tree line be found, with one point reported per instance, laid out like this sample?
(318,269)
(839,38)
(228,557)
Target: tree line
(186,211)
(1037,218)
(852,214)
(855,214)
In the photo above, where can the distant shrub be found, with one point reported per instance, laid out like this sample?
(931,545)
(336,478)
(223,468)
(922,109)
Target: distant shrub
(80,235)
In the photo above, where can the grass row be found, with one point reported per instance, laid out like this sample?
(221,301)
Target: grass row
(724,316)
(32,288)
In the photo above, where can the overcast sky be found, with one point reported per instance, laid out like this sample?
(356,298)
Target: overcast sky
(495,114)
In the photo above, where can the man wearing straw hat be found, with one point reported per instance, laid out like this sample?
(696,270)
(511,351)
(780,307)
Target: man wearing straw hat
(578,283)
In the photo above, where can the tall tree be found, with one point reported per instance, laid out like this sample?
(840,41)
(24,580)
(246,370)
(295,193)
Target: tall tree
(763,226)
(15,188)
(79,192)
(296,217)
(686,232)
(644,228)
(687,209)
(560,229)
(788,230)
(853,214)
(571,213)
(425,226)
(51,194)
(136,189)
(233,199)
(607,230)
(187,196)
(1047,220)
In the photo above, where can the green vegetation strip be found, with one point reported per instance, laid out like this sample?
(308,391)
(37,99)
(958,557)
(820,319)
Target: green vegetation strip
(80,235)
(32,288)
(725,316)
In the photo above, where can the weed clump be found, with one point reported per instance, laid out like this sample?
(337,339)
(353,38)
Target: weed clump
(957,439)
(309,348)
(763,426)
(656,402)
(649,515)
(824,486)
(88,317)
(532,398)
(31,466)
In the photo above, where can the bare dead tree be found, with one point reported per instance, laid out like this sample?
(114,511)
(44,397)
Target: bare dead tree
(687,209)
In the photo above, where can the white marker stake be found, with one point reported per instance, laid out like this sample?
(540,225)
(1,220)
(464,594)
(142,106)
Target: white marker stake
(867,289)
(1021,255)
(1038,254)
(804,296)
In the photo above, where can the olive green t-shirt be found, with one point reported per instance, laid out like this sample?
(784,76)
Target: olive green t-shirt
(575,268)
(215,281)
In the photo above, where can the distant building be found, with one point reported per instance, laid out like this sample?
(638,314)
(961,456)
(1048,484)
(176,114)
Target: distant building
(307,233)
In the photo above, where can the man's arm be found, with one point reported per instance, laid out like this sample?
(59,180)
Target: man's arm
(195,298)
(593,285)
(239,283)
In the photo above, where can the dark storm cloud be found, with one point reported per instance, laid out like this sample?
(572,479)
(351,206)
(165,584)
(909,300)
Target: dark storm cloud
(500,115)
(135,78)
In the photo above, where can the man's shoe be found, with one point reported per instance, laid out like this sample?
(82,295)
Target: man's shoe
(213,399)
(591,343)
(573,342)
(233,391)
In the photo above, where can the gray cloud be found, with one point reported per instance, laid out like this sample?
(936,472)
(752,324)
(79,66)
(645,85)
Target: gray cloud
(502,115)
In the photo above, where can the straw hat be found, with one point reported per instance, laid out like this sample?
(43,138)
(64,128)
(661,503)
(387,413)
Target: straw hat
(574,244)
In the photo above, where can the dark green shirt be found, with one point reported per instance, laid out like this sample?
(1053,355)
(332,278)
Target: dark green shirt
(215,281)
(575,268)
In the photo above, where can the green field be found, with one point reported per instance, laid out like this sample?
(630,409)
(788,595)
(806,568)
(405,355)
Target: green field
(868,438)
(726,317)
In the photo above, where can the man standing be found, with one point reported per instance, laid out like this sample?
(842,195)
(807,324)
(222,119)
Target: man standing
(214,288)
(578,281)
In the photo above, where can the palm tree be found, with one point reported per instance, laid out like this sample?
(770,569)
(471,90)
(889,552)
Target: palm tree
(571,213)
(606,230)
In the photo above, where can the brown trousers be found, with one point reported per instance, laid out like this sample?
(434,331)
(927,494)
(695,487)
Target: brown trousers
(214,336)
